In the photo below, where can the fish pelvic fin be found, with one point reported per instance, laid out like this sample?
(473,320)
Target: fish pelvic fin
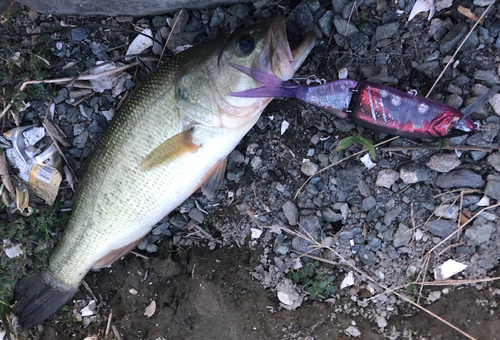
(214,179)
(170,150)
(38,297)
(116,254)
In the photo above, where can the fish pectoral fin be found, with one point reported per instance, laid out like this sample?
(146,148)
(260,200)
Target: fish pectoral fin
(170,150)
(116,254)
(214,179)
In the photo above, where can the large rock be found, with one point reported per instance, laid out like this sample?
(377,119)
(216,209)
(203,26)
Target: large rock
(119,7)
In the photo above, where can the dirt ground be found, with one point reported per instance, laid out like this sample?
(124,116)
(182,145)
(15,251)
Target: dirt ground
(203,294)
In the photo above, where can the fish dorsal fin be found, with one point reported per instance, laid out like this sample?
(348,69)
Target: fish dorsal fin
(169,150)
(215,178)
(116,254)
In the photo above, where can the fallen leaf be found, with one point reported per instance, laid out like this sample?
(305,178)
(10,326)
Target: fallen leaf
(151,309)
(70,177)
(465,11)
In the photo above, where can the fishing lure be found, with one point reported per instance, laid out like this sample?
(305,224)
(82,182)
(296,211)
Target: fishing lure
(374,106)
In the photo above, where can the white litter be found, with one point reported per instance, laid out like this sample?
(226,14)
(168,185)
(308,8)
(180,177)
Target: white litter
(13,251)
(284,126)
(140,43)
(448,269)
(367,161)
(89,310)
(483,202)
(347,281)
(343,72)
(284,298)
(422,6)
(115,82)
(34,135)
(256,232)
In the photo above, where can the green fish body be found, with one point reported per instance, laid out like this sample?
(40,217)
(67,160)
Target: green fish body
(171,137)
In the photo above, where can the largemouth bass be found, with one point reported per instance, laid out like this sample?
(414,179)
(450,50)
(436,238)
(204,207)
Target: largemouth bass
(171,137)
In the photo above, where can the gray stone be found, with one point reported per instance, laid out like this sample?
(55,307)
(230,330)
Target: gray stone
(429,67)
(452,88)
(478,155)
(357,39)
(480,232)
(78,128)
(196,215)
(348,178)
(344,27)
(442,228)
(326,23)
(375,244)
(495,103)
(386,178)
(331,216)
(338,5)
(240,10)
(349,234)
(81,140)
(391,215)
(443,162)
(159,21)
(366,256)
(413,173)
(108,8)
(381,322)
(97,48)
(314,5)
(454,100)
(387,31)
(94,127)
(217,17)
(493,189)
(364,189)
(460,178)
(488,76)
(151,248)
(291,212)
(299,19)
(256,162)
(235,175)
(393,254)
(450,212)
(494,160)
(310,227)
(453,37)
(78,34)
(162,229)
(309,168)
(368,203)
(486,264)
(402,236)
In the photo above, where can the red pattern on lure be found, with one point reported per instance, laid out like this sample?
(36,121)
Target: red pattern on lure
(396,112)
(374,106)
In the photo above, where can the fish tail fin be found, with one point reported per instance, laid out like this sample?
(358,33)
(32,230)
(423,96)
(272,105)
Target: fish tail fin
(273,86)
(38,297)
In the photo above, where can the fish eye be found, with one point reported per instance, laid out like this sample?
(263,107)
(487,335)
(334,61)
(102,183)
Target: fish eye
(245,45)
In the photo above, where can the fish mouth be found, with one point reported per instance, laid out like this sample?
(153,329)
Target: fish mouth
(278,58)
